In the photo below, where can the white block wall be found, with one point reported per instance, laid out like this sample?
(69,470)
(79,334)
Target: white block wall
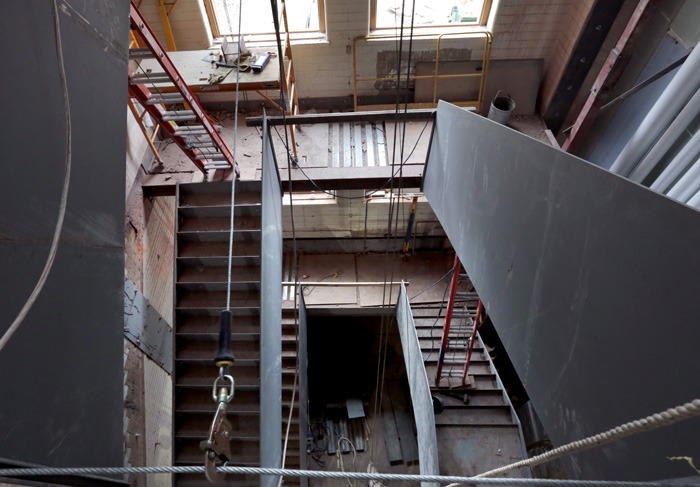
(522,29)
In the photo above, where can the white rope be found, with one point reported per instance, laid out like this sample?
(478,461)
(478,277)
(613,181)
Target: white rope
(233,166)
(658,420)
(64,194)
(386,477)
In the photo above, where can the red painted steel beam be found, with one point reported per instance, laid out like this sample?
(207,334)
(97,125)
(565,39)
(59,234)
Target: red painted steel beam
(609,75)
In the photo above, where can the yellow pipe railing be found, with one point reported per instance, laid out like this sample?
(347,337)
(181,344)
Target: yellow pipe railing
(478,103)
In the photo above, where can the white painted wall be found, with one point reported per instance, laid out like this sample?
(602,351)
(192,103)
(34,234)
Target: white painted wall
(522,29)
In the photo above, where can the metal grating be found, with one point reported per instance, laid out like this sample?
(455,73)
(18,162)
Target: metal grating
(357,144)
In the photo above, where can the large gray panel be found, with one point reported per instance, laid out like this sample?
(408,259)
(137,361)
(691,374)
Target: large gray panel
(592,283)
(61,375)
(420,389)
(303,358)
(270,315)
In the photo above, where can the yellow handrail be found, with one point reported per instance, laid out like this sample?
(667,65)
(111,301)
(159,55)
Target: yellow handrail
(478,103)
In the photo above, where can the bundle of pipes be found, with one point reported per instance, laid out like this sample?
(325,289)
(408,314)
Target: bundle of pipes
(675,110)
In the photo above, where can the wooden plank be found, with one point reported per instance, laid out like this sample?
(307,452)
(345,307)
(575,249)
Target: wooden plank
(391,433)
(404,424)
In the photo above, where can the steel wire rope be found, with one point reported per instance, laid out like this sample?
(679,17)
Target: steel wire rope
(233,166)
(659,420)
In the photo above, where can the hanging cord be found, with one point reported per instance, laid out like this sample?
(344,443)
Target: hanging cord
(339,457)
(393,157)
(235,140)
(399,204)
(297,288)
(64,193)
(224,357)
(655,421)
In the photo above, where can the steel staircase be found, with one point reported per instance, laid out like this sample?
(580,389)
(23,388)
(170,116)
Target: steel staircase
(203,218)
(473,412)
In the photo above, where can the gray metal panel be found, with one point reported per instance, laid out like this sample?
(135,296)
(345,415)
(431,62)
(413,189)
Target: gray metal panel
(270,315)
(303,358)
(146,328)
(61,375)
(590,280)
(420,389)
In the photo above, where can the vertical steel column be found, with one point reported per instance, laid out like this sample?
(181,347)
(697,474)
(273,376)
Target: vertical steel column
(270,314)
(448,320)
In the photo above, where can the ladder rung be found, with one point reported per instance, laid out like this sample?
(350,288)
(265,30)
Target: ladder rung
(210,157)
(165,100)
(140,78)
(179,115)
(469,294)
(185,130)
(217,166)
(198,145)
(141,53)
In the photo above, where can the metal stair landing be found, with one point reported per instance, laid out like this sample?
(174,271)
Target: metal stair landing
(203,218)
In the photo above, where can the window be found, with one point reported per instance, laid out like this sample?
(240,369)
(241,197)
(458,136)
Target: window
(302,15)
(386,14)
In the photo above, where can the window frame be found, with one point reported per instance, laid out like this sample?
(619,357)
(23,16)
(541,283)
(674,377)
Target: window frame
(216,31)
(482,22)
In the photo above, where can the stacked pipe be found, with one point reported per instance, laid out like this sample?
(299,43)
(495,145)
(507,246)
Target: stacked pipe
(675,110)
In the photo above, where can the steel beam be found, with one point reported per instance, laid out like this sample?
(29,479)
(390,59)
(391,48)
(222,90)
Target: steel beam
(165,22)
(609,75)
(345,117)
(600,20)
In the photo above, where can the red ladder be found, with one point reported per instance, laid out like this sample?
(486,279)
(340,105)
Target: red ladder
(476,316)
(199,141)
